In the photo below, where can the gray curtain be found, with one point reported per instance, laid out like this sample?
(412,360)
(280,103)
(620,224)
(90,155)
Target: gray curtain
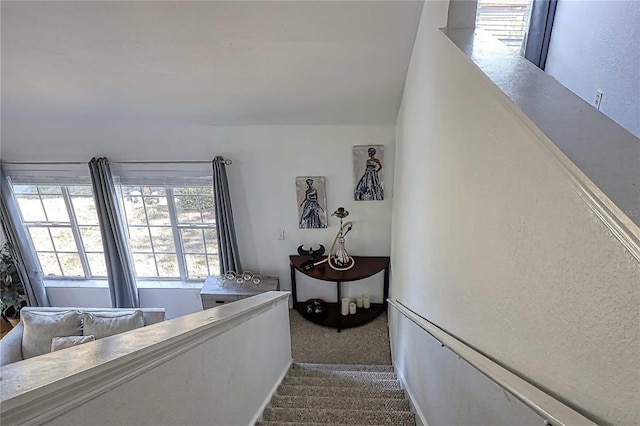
(122,282)
(227,243)
(19,246)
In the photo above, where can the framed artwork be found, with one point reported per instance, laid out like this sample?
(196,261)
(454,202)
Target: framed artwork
(312,202)
(367,172)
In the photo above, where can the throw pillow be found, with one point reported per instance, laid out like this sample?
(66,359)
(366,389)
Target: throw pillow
(64,342)
(105,324)
(41,327)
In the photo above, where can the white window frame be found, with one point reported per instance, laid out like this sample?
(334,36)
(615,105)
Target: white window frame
(176,227)
(48,225)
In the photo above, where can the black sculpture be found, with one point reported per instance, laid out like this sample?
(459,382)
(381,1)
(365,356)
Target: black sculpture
(311,254)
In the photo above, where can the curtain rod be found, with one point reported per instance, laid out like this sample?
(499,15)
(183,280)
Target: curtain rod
(60,163)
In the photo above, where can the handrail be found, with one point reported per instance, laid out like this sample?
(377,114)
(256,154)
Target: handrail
(37,389)
(550,409)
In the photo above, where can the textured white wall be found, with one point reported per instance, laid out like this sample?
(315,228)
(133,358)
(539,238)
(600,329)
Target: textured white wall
(594,45)
(175,301)
(492,244)
(266,161)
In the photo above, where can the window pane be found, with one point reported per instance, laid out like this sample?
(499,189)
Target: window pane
(91,238)
(214,265)
(85,210)
(63,239)
(71,265)
(192,240)
(208,210)
(25,189)
(49,189)
(97,264)
(162,239)
(80,190)
(31,208)
(168,265)
(41,239)
(49,264)
(139,239)
(207,190)
(196,266)
(507,20)
(157,210)
(55,208)
(145,265)
(154,190)
(211,240)
(187,209)
(134,210)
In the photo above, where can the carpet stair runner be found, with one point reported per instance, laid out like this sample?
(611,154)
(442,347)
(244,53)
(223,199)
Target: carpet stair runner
(337,394)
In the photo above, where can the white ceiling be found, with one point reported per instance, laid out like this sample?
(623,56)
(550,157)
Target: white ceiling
(214,63)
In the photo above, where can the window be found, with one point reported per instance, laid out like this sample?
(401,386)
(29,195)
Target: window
(62,223)
(507,20)
(172,230)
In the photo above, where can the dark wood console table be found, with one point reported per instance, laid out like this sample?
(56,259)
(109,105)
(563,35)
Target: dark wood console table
(366,266)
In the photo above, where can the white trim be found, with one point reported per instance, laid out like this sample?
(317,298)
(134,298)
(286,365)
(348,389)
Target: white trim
(606,211)
(543,404)
(32,394)
(103,283)
(258,416)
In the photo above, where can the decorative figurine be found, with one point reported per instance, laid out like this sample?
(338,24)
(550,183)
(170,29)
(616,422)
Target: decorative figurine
(341,259)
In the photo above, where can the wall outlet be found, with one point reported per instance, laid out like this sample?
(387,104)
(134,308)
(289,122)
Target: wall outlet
(598,100)
(280,234)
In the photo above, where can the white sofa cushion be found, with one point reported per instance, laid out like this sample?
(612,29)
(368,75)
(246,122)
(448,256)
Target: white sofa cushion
(105,324)
(41,327)
(64,342)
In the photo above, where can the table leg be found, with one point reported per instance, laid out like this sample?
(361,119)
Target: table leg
(339,306)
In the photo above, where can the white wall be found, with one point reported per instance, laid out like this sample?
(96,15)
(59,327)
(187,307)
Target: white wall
(594,45)
(266,161)
(176,301)
(492,244)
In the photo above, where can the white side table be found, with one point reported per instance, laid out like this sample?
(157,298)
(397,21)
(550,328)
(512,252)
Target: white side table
(213,294)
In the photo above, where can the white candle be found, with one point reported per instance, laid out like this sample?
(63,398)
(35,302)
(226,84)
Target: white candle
(366,301)
(352,308)
(345,306)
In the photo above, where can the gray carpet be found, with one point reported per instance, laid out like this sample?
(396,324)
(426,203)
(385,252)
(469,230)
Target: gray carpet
(334,394)
(367,344)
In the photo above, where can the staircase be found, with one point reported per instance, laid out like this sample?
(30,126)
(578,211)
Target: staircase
(338,394)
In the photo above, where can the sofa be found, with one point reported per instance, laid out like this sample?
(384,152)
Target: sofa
(43,329)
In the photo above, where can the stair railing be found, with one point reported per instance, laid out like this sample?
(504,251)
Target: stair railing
(554,412)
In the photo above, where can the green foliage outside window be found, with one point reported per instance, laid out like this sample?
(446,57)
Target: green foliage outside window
(188,200)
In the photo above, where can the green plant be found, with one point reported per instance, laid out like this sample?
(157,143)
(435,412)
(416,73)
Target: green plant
(12,296)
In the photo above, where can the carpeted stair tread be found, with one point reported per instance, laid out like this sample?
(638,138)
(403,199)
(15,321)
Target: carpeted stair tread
(336,416)
(307,424)
(379,404)
(341,367)
(359,375)
(342,382)
(344,392)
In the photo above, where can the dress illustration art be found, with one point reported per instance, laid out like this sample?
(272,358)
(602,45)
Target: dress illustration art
(311,202)
(367,166)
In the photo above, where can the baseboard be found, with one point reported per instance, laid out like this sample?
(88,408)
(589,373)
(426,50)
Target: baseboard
(421,419)
(267,401)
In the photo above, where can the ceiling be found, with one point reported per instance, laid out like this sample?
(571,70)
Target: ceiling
(212,63)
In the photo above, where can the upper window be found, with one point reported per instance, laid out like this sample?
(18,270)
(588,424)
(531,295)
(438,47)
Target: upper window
(172,230)
(63,225)
(507,20)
